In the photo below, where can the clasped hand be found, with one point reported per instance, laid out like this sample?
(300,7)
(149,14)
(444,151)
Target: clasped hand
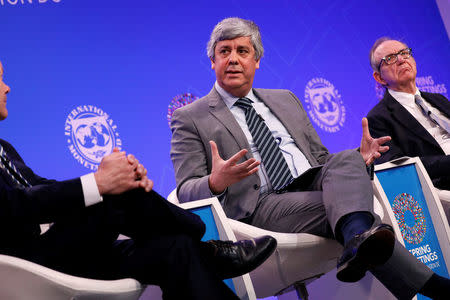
(118,173)
(226,172)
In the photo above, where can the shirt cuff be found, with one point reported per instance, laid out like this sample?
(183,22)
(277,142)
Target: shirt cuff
(221,197)
(90,190)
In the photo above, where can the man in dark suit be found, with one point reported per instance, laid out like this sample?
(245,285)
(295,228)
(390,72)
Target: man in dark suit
(256,150)
(398,114)
(89,212)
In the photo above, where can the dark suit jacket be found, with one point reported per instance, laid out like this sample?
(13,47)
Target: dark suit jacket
(82,240)
(409,138)
(208,118)
(22,210)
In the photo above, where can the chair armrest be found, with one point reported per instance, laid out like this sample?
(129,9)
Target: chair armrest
(444,195)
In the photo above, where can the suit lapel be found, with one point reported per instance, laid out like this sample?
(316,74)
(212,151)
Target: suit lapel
(437,102)
(286,115)
(220,111)
(405,119)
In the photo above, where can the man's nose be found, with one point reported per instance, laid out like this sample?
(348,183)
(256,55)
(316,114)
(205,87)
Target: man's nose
(401,59)
(7,88)
(233,58)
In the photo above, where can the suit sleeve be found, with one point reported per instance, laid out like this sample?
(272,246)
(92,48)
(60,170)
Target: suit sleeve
(45,201)
(189,156)
(437,166)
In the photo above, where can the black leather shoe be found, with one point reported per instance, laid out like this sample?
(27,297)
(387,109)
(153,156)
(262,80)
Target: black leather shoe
(364,251)
(234,259)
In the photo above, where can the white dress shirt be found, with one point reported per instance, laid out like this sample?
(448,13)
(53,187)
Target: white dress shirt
(90,190)
(439,134)
(295,159)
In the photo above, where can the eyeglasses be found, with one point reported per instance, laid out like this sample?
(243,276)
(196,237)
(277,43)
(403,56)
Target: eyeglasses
(392,58)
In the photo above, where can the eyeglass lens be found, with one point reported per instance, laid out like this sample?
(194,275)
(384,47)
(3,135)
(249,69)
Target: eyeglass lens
(392,58)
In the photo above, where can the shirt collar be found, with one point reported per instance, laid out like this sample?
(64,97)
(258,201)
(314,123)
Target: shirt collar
(230,99)
(404,99)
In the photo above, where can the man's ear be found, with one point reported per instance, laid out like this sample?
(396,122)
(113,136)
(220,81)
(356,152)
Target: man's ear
(378,78)
(257,63)
(213,64)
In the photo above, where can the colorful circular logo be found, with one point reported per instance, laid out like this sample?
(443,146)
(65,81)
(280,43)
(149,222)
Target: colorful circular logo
(324,105)
(91,134)
(179,101)
(410,218)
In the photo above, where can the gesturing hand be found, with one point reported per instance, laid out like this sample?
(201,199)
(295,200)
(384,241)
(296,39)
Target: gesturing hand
(226,172)
(371,148)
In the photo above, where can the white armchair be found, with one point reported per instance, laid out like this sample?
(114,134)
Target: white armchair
(24,280)
(299,258)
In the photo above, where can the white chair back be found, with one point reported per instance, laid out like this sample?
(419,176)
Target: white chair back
(24,280)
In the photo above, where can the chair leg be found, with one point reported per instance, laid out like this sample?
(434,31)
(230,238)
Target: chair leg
(302,292)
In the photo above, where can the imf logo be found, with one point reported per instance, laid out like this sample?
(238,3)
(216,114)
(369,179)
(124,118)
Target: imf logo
(324,105)
(91,135)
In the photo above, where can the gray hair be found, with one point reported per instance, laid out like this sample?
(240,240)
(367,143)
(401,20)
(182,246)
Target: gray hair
(374,64)
(232,28)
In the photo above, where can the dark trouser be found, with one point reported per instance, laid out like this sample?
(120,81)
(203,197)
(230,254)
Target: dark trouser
(164,248)
(341,187)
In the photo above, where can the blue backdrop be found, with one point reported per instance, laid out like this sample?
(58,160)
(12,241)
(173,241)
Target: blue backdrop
(131,58)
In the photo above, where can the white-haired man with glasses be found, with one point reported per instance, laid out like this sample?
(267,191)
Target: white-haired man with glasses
(418,122)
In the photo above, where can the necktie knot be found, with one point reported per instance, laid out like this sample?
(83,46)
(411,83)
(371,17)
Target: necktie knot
(244,103)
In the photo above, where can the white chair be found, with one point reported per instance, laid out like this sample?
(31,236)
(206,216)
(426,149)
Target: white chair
(299,258)
(24,280)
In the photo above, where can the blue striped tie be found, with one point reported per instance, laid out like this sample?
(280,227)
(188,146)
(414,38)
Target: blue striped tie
(11,169)
(429,114)
(276,166)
